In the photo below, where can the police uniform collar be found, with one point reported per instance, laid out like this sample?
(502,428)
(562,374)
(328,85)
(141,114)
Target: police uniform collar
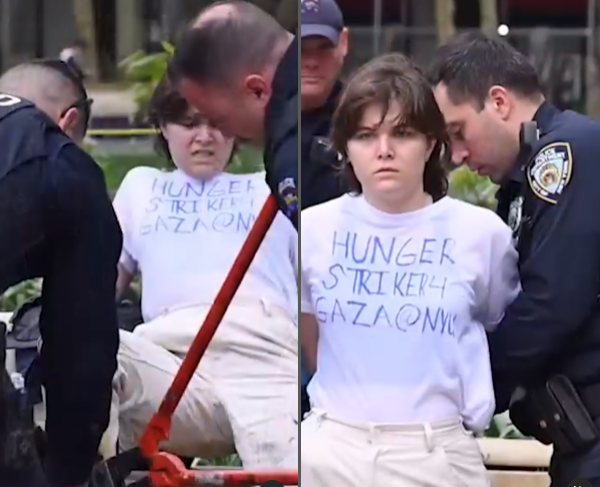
(544,116)
(516,176)
(334,97)
(285,81)
(330,105)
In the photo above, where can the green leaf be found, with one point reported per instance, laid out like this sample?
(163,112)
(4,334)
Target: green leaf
(502,427)
(145,71)
(130,59)
(150,67)
(168,48)
(467,186)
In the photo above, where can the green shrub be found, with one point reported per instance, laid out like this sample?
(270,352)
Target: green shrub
(144,71)
(19,294)
(502,427)
(467,186)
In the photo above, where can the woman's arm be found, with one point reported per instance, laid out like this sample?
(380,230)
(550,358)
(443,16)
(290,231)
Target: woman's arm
(503,283)
(309,339)
(309,327)
(127,264)
(124,279)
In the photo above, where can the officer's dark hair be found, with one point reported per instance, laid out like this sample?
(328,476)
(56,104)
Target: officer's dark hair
(470,64)
(168,106)
(383,81)
(214,49)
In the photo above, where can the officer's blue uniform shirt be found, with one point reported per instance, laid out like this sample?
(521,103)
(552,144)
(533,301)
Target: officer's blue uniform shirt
(547,330)
(508,194)
(281,153)
(321,179)
(57,223)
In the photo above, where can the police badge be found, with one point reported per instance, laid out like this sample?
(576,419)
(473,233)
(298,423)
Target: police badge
(515,215)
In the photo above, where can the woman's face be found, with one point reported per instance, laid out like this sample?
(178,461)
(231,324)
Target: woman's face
(198,149)
(388,160)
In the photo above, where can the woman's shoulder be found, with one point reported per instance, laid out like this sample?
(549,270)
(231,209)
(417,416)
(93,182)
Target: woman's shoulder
(468,211)
(480,223)
(143,173)
(259,177)
(330,209)
(254,181)
(137,178)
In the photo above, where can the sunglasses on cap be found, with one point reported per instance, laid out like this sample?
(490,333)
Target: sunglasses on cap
(83,104)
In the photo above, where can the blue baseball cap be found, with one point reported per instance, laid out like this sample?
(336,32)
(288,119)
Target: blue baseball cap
(321,18)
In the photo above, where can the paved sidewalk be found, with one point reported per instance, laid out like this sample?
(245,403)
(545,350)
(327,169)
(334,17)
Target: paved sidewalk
(112,103)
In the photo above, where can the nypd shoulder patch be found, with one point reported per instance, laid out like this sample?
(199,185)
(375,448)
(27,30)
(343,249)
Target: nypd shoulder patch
(550,171)
(289,194)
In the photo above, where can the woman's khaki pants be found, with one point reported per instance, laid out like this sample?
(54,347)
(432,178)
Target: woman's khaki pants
(244,396)
(335,454)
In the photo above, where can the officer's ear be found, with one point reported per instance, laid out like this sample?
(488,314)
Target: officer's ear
(342,46)
(69,122)
(258,87)
(500,101)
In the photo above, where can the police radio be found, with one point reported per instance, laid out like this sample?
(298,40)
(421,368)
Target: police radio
(322,153)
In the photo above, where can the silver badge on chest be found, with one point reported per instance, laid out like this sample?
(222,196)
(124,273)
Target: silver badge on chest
(515,216)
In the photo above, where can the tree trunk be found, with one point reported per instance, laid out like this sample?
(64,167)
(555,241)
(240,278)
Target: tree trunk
(488,16)
(85,26)
(444,20)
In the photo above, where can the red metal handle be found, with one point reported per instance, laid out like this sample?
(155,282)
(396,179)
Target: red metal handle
(169,471)
(159,427)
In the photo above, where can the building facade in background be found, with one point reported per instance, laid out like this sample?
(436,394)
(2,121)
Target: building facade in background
(554,33)
(113,29)
(560,36)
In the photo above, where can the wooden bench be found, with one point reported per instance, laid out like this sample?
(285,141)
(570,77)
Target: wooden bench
(516,463)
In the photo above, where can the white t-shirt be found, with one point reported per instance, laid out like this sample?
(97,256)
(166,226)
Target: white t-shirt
(183,236)
(403,303)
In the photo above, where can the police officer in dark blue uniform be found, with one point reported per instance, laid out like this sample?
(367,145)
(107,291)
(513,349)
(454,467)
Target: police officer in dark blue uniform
(323,45)
(57,223)
(545,352)
(239,67)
